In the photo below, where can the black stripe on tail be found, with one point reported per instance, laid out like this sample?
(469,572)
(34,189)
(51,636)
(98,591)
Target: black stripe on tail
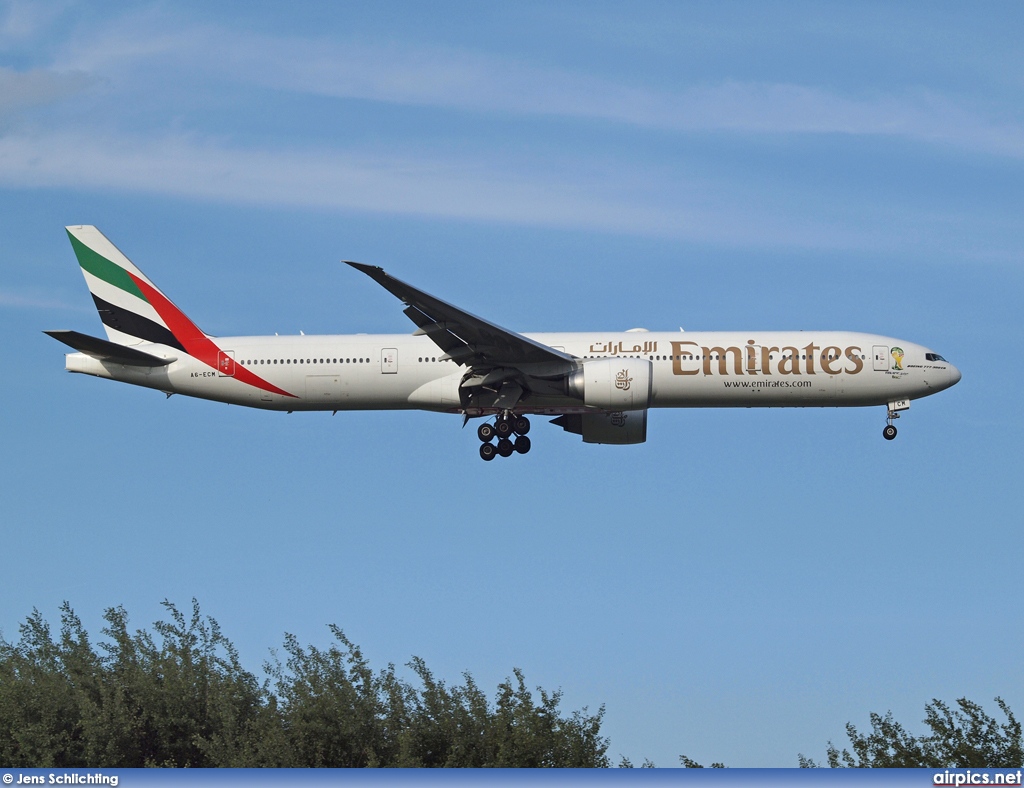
(128,322)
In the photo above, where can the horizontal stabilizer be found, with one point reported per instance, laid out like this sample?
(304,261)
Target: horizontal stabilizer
(108,351)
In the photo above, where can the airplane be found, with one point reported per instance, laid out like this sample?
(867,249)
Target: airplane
(598,385)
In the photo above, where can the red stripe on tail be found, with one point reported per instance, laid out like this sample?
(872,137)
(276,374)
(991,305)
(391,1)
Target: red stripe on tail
(196,343)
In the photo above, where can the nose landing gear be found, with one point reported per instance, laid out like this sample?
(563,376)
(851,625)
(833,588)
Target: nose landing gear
(889,432)
(505,427)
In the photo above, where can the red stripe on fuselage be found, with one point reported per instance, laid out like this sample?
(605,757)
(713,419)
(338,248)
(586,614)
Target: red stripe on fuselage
(196,343)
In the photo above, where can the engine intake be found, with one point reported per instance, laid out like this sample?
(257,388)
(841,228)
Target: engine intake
(615,384)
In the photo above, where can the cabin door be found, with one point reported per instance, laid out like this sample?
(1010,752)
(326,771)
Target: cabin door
(226,363)
(880,353)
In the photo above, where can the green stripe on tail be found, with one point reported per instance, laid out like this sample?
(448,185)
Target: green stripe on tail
(102,268)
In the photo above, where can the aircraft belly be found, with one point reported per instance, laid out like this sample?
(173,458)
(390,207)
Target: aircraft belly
(347,389)
(718,371)
(326,390)
(836,391)
(149,377)
(746,391)
(441,394)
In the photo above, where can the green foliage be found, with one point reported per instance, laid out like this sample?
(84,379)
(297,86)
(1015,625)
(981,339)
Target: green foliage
(689,763)
(337,712)
(625,763)
(181,698)
(965,737)
(184,702)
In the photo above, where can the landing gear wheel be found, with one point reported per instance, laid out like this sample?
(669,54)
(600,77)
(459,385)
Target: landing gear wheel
(503,427)
(521,425)
(485,432)
(522,444)
(487,451)
(889,432)
(505,447)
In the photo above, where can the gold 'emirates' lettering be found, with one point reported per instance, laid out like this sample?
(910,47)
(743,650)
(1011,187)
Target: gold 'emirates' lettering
(689,358)
(751,358)
(720,354)
(678,350)
(853,353)
(789,363)
(830,356)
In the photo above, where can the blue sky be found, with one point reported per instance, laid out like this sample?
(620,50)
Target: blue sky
(737,588)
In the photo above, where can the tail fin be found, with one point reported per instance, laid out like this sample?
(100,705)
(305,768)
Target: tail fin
(132,308)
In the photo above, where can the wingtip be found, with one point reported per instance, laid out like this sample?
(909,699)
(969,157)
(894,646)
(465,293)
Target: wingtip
(365,268)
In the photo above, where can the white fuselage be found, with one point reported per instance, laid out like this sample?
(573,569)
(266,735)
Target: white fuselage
(688,369)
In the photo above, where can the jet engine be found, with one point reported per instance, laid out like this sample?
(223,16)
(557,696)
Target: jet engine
(619,427)
(616,384)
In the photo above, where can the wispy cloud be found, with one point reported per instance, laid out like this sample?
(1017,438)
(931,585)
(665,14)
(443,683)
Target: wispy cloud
(19,300)
(23,19)
(478,83)
(458,188)
(323,179)
(410,74)
(550,184)
(22,89)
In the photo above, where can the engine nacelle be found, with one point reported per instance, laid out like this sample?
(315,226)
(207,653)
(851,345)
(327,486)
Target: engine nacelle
(619,427)
(616,384)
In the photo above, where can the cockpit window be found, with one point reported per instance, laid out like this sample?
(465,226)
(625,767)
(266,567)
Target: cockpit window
(934,357)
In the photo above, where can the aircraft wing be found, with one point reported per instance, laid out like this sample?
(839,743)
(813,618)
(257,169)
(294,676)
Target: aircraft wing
(464,338)
(108,351)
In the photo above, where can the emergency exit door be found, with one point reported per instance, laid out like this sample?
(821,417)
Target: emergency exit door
(389,360)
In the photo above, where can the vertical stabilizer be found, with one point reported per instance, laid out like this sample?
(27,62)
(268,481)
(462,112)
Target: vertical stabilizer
(132,308)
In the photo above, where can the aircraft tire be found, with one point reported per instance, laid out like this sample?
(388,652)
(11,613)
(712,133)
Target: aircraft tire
(889,432)
(521,425)
(485,432)
(522,444)
(503,427)
(505,447)
(487,451)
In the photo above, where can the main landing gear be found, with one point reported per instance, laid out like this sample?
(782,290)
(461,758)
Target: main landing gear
(511,432)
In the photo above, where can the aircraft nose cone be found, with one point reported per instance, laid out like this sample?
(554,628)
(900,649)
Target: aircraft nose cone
(954,375)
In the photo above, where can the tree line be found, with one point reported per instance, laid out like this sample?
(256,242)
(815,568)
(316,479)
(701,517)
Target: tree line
(962,737)
(179,696)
